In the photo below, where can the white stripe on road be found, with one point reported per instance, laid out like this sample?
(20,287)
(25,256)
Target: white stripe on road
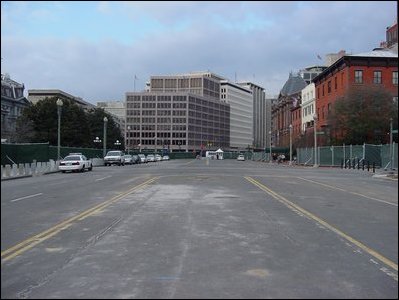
(26,197)
(102,178)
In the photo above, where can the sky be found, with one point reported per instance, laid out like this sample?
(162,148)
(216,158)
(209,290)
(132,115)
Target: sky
(95,50)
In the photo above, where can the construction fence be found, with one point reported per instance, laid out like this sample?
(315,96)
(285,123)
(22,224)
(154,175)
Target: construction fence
(383,156)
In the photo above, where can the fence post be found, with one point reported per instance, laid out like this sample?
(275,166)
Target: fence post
(350,151)
(364,150)
(373,166)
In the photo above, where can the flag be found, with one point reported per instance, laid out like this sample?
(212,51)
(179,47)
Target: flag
(319,57)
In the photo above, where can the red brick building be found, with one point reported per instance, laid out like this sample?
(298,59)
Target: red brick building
(379,67)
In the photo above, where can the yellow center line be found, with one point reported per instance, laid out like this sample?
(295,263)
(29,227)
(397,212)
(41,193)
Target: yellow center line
(38,238)
(354,193)
(290,204)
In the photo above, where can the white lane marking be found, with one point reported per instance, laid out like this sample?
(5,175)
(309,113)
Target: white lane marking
(102,178)
(26,197)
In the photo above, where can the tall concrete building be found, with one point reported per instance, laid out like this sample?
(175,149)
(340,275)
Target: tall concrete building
(260,121)
(241,112)
(178,113)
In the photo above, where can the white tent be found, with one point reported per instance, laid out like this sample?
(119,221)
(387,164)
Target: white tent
(219,154)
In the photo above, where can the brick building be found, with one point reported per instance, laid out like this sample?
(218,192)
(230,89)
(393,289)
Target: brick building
(378,67)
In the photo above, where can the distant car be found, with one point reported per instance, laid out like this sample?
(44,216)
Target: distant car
(165,157)
(128,159)
(150,158)
(75,162)
(136,159)
(114,157)
(143,159)
(241,157)
(158,157)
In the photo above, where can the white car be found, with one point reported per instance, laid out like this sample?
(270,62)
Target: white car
(150,157)
(143,159)
(241,157)
(165,157)
(158,157)
(114,157)
(75,162)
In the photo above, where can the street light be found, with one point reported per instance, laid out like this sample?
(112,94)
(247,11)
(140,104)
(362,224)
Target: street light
(59,106)
(105,136)
(315,140)
(390,143)
(117,143)
(290,144)
(126,139)
(270,146)
(97,140)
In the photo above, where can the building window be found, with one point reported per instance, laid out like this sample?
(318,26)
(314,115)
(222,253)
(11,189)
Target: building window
(329,87)
(359,76)
(395,77)
(335,82)
(377,77)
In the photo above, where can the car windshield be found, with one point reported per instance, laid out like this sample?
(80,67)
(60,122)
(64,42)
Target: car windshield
(72,158)
(113,153)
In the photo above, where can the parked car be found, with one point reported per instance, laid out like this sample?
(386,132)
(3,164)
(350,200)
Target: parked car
(128,159)
(143,159)
(158,157)
(114,157)
(150,158)
(165,157)
(241,157)
(136,159)
(75,162)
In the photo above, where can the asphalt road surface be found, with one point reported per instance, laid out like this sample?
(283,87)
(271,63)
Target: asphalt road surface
(200,229)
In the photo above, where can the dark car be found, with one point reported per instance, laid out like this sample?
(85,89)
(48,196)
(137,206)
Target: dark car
(136,159)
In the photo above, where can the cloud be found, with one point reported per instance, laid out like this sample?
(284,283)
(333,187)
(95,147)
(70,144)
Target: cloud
(257,41)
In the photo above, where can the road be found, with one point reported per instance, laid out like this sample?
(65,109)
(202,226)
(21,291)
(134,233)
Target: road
(200,229)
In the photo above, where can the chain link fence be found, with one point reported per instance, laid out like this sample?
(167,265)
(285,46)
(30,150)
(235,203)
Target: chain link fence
(383,156)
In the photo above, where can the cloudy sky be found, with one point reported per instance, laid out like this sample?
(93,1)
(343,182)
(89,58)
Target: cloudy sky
(94,50)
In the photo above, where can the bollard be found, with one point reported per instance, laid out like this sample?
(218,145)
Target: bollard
(353,164)
(363,164)
(358,164)
(373,167)
(368,166)
(342,163)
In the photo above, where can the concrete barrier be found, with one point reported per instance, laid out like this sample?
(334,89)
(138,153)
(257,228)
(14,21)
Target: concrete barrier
(37,168)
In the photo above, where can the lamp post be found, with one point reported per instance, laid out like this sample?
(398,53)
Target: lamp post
(105,136)
(126,139)
(59,106)
(97,141)
(270,146)
(390,143)
(290,144)
(315,140)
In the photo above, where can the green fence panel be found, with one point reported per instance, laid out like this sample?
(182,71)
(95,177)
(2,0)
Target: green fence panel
(24,153)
